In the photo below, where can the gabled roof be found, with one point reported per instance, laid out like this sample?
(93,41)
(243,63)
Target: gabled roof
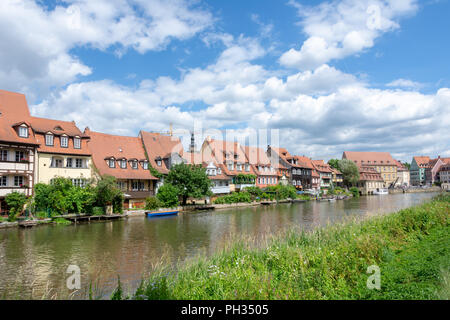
(14,111)
(321,166)
(400,166)
(375,158)
(158,145)
(106,146)
(302,161)
(422,161)
(367,173)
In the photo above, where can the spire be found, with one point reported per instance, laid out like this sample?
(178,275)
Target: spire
(192,146)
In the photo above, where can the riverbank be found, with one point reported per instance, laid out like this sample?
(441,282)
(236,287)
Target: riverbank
(411,248)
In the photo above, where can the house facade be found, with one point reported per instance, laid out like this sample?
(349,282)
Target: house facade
(17,147)
(444,176)
(403,175)
(300,170)
(123,158)
(432,169)
(382,162)
(417,170)
(338,178)
(231,157)
(62,152)
(325,174)
(370,180)
(266,171)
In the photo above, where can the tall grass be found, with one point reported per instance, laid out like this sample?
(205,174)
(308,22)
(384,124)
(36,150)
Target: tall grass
(411,247)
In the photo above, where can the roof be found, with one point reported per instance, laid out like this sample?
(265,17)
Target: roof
(321,166)
(369,158)
(158,145)
(302,161)
(400,166)
(433,162)
(367,173)
(119,147)
(14,111)
(422,161)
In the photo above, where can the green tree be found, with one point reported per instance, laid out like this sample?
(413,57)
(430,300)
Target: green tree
(190,180)
(15,201)
(42,193)
(168,195)
(350,172)
(407,165)
(334,163)
(107,193)
(153,203)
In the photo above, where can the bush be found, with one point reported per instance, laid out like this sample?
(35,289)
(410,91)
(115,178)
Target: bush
(168,195)
(152,203)
(354,191)
(98,211)
(255,192)
(15,202)
(234,197)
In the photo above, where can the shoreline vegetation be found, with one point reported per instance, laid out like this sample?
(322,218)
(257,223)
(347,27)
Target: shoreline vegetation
(411,247)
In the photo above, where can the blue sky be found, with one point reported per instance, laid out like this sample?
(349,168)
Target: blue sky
(330,75)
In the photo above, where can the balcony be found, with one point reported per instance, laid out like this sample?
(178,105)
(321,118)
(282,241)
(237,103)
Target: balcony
(220,189)
(12,165)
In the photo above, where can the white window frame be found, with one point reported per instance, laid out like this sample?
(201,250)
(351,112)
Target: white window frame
(123,164)
(77,143)
(145,165)
(66,139)
(18,180)
(23,132)
(71,163)
(3,181)
(49,139)
(134,164)
(4,155)
(80,162)
(111,163)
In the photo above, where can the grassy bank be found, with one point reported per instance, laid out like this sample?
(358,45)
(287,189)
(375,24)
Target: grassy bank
(411,247)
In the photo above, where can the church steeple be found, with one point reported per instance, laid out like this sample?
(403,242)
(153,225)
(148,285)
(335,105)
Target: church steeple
(192,145)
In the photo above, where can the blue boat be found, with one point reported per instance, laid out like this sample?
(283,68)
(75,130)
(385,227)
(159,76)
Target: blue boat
(160,213)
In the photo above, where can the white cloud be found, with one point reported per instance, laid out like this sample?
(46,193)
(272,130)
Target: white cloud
(338,29)
(35,43)
(405,83)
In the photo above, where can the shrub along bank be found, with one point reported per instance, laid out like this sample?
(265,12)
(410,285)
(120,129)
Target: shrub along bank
(411,247)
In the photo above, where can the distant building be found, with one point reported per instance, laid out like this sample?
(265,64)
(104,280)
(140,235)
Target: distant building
(123,158)
(444,176)
(417,170)
(403,175)
(325,174)
(266,170)
(18,146)
(338,178)
(370,180)
(382,162)
(432,169)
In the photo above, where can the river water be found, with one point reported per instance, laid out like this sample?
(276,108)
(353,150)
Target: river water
(34,262)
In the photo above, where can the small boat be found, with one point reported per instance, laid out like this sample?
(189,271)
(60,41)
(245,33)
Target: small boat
(331,200)
(380,191)
(160,213)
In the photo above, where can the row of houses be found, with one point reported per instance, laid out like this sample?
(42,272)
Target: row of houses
(427,171)
(34,150)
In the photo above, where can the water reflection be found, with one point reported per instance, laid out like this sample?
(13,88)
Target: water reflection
(33,262)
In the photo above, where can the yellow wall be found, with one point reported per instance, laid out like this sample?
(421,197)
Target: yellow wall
(388,173)
(45,173)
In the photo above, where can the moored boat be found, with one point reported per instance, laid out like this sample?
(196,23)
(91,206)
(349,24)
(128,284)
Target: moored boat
(161,213)
(380,191)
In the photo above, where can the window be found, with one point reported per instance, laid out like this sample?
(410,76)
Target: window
(145,165)
(247,167)
(134,164)
(20,156)
(239,167)
(48,139)
(219,171)
(77,143)
(18,181)
(294,182)
(3,155)
(3,181)
(158,163)
(79,182)
(69,163)
(79,163)
(123,164)
(58,163)
(23,132)
(111,163)
(138,186)
(121,185)
(64,142)
(230,166)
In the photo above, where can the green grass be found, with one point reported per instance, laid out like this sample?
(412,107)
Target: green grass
(411,247)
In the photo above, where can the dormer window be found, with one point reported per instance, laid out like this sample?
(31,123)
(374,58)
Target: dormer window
(23,131)
(145,165)
(134,164)
(123,164)
(49,139)
(247,167)
(239,167)
(158,163)
(77,143)
(64,141)
(111,163)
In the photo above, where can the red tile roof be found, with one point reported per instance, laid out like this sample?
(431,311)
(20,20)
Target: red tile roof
(107,146)
(375,158)
(422,161)
(14,111)
(367,173)
(162,146)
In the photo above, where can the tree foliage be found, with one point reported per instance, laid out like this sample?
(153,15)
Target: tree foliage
(15,201)
(190,181)
(153,203)
(334,163)
(350,172)
(168,195)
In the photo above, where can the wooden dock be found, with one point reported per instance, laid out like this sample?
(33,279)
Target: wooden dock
(88,218)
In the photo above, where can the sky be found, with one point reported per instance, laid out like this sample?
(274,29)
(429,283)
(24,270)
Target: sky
(330,76)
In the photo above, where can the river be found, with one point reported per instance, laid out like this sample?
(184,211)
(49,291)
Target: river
(34,262)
